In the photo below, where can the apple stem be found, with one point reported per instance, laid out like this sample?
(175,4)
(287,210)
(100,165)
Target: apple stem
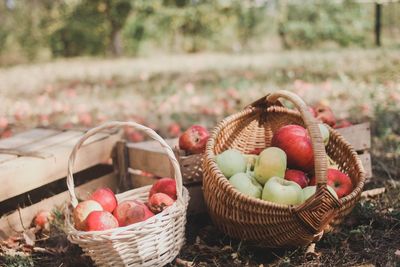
(248,168)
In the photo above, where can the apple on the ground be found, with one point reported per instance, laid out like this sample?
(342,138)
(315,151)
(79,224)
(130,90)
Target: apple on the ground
(246,184)
(325,114)
(296,142)
(42,219)
(194,139)
(279,190)
(230,162)
(343,124)
(271,162)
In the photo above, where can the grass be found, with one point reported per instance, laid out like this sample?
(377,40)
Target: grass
(204,88)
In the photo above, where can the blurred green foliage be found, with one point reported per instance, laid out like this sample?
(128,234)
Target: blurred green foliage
(130,27)
(312,23)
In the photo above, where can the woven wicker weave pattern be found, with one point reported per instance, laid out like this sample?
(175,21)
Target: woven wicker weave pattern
(271,224)
(154,242)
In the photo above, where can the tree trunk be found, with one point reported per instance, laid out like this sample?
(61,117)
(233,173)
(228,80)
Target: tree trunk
(116,43)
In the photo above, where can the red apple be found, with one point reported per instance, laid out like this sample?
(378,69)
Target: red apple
(343,124)
(325,114)
(101,220)
(159,201)
(194,139)
(295,141)
(256,151)
(339,181)
(166,186)
(312,111)
(82,210)
(106,198)
(174,129)
(42,219)
(297,176)
(131,211)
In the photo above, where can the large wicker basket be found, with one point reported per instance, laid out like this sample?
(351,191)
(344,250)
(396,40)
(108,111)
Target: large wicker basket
(154,242)
(267,223)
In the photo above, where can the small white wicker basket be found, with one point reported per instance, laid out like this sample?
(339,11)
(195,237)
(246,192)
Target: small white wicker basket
(154,242)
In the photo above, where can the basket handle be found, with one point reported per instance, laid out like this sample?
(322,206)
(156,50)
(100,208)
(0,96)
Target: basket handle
(118,124)
(320,161)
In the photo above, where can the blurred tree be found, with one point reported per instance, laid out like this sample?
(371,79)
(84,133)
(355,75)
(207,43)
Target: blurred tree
(88,27)
(249,15)
(308,24)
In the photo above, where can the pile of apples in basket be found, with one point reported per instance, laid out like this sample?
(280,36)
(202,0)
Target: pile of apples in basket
(284,172)
(102,210)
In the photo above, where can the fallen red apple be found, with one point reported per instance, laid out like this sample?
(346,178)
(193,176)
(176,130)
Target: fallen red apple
(131,211)
(42,219)
(325,114)
(159,201)
(82,210)
(194,139)
(166,186)
(312,111)
(297,176)
(343,124)
(174,129)
(295,141)
(106,198)
(100,220)
(339,181)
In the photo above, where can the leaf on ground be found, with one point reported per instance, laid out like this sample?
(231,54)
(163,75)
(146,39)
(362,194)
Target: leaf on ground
(30,237)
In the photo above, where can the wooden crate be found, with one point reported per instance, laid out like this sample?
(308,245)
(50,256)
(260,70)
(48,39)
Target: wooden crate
(148,157)
(36,160)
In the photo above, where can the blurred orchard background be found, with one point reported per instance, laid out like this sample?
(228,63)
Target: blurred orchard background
(169,64)
(172,63)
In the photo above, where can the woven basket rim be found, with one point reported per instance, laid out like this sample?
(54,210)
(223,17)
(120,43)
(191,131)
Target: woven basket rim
(249,111)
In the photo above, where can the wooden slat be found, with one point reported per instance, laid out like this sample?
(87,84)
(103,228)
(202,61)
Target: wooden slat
(50,141)
(359,135)
(12,222)
(139,181)
(28,137)
(6,157)
(26,173)
(153,146)
(366,161)
(149,156)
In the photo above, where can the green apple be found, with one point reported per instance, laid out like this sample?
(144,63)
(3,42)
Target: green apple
(246,184)
(230,162)
(310,190)
(282,191)
(271,162)
(324,132)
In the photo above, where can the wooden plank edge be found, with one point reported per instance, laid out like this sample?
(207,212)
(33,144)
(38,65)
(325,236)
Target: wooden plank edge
(47,171)
(10,224)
